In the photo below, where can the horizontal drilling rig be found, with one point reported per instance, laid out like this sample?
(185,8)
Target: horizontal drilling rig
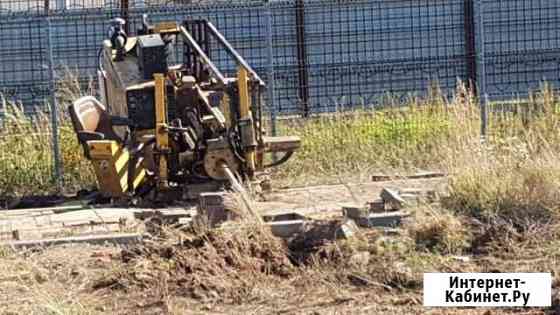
(170,129)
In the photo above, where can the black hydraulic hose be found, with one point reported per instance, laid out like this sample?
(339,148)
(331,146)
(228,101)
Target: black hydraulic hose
(285,158)
(235,148)
(99,67)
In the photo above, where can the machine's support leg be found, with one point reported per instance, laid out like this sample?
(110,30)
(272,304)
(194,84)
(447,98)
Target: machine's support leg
(162,136)
(245,113)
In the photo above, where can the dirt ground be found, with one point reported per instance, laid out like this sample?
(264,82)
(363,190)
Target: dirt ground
(59,281)
(71,279)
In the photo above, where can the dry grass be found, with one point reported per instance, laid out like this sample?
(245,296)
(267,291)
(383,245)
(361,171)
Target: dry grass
(26,151)
(501,211)
(53,281)
(440,231)
(349,144)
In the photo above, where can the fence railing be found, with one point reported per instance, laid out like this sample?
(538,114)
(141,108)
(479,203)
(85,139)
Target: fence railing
(315,55)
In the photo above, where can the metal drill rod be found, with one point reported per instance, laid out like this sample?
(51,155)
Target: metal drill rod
(201,54)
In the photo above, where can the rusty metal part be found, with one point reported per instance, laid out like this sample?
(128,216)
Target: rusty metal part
(214,161)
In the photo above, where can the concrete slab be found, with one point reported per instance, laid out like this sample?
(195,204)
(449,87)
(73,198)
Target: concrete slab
(392,199)
(381,177)
(355,211)
(347,230)
(119,239)
(376,206)
(419,175)
(194,191)
(287,216)
(286,229)
(422,195)
(175,214)
(388,219)
(426,174)
(212,198)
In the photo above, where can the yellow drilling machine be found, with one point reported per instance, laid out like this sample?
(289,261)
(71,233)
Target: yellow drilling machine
(170,130)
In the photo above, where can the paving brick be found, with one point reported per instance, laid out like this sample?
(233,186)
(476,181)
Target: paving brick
(194,191)
(377,206)
(286,216)
(347,230)
(392,199)
(389,231)
(213,205)
(426,174)
(215,214)
(388,219)
(355,211)
(117,239)
(427,196)
(212,198)
(380,178)
(286,229)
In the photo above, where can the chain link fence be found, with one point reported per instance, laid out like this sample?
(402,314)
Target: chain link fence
(316,56)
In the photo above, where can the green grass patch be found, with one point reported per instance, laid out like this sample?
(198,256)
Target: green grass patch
(363,141)
(26,156)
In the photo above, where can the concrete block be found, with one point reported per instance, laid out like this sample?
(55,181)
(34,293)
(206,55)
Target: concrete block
(380,178)
(213,206)
(212,198)
(172,215)
(426,175)
(427,196)
(377,206)
(117,239)
(388,219)
(392,199)
(287,216)
(286,229)
(194,191)
(389,231)
(355,211)
(215,214)
(347,230)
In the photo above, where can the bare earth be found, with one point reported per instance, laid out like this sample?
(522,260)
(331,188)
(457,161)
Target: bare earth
(65,279)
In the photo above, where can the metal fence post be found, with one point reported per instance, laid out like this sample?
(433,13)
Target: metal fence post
(124,14)
(57,165)
(60,5)
(470,44)
(483,97)
(303,88)
(270,69)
